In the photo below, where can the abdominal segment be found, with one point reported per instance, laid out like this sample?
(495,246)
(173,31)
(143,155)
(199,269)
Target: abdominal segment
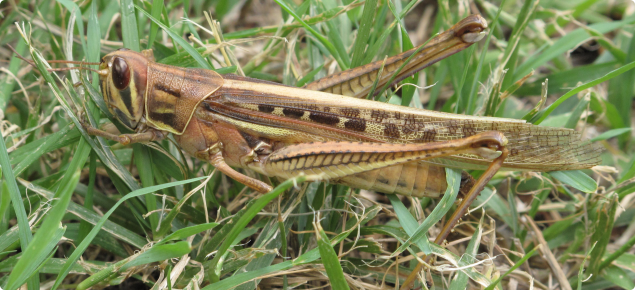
(416,179)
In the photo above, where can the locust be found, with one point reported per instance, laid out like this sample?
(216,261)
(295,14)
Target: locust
(327,130)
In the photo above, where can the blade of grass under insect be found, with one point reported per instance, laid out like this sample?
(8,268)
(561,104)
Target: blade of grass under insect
(50,266)
(618,276)
(460,280)
(146,169)
(453,178)
(603,217)
(91,217)
(269,239)
(166,222)
(86,242)
(183,233)
(308,257)
(459,106)
(283,248)
(408,85)
(571,40)
(154,254)
(520,262)
(618,253)
(496,203)
(219,236)
(184,44)
(408,222)
(24,230)
(85,227)
(330,260)
(544,113)
(440,75)
(577,179)
(313,255)
(159,253)
(380,71)
(32,267)
(5,203)
(45,239)
(329,46)
(252,210)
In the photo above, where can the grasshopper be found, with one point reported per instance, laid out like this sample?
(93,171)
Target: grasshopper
(327,130)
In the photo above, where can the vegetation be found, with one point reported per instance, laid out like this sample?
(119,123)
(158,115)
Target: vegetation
(77,211)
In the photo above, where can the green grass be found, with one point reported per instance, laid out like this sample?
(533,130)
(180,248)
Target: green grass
(124,210)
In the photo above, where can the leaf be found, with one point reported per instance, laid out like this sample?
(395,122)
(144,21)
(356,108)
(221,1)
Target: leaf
(576,179)
(330,260)
(611,133)
(187,232)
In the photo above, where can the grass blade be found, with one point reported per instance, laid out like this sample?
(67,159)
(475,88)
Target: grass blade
(82,247)
(251,212)
(188,48)
(544,113)
(330,260)
(363,33)
(576,179)
(453,177)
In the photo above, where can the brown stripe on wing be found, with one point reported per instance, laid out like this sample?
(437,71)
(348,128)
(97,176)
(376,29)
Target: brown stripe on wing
(272,120)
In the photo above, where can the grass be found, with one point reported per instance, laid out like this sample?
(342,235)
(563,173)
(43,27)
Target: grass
(78,211)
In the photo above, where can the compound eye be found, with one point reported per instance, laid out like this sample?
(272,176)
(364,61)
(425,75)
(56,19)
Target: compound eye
(120,73)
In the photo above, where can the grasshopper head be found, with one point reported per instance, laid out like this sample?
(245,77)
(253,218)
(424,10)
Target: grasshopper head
(124,86)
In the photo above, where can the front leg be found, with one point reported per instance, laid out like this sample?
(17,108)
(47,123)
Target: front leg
(125,139)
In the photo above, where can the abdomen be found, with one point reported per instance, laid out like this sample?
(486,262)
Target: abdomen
(416,179)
